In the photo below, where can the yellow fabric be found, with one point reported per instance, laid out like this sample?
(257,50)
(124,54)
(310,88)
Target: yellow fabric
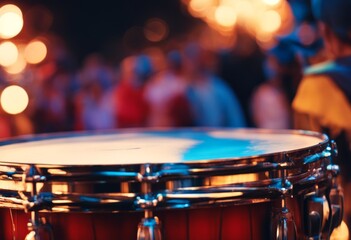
(321,100)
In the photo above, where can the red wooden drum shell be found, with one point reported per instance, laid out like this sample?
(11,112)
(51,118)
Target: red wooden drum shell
(234,222)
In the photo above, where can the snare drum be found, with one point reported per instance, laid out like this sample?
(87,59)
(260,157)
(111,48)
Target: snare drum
(169,184)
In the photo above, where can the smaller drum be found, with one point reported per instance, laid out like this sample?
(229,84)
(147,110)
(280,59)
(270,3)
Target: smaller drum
(170,184)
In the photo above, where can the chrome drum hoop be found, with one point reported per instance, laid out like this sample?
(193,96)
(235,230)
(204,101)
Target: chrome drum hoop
(173,185)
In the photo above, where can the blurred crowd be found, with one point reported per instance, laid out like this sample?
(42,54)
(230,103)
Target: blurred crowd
(181,86)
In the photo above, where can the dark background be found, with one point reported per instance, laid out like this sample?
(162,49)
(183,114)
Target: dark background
(99,26)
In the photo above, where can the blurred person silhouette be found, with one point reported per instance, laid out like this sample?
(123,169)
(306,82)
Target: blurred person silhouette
(53,88)
(241,68)
(131,107)
(94,105)
(166,95)
(271,100)
(212,102)
(322,102)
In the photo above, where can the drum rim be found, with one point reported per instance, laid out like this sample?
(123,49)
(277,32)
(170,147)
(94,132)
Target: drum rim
(48,136)
(290,160)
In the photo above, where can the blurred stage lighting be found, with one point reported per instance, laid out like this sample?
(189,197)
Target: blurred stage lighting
(272,2)
(225,16)
(156,30)
(8,53)
(35,52)
(11,21)
(20,64)
(14,99)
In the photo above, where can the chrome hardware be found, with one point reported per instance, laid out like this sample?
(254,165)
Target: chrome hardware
(283,224)
(336,197)
(147,175)
(334,149)
(333,170)
(149,202)
(37,227)
(149,229)
(316,209)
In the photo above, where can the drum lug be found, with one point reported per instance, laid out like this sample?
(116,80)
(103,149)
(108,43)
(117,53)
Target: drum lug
(148,202)
(39,228)
(149,229)
(336,197)
(32,174)
(334,149)
(337,207)
(285,227)
(316,216)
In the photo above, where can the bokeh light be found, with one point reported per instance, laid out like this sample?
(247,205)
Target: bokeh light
(263,19)
(11,21)
(8,53)
(225,16)
(35,52)
(200,7)
(272,2)
(270,21)
(265,40)
(11,8)
(20,64)
(306,34)
(14,99)
(155,30)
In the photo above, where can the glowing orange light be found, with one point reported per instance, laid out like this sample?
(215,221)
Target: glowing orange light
(11,21)
(287,18)
(11,8)
(8,53)
(261,18)
(200,7)
(225,16)
(265,40)
(245,9)
(19,65)
(35,52)
(270,21)
(264,37)
(156,30)
(272,2)
(14,99)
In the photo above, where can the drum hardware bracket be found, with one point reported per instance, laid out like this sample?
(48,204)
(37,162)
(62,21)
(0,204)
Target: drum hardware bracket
(320,222)
(333,149)
(336,198)
(146,174)
(285,222)
(148,202)
(315,216)
(35,224)
(149,227)
(285,227)
(32,174)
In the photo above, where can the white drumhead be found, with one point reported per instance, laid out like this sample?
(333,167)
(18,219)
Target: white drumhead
(154,147)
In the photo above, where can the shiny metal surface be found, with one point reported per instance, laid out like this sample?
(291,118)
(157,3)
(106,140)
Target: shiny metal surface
(178,184)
